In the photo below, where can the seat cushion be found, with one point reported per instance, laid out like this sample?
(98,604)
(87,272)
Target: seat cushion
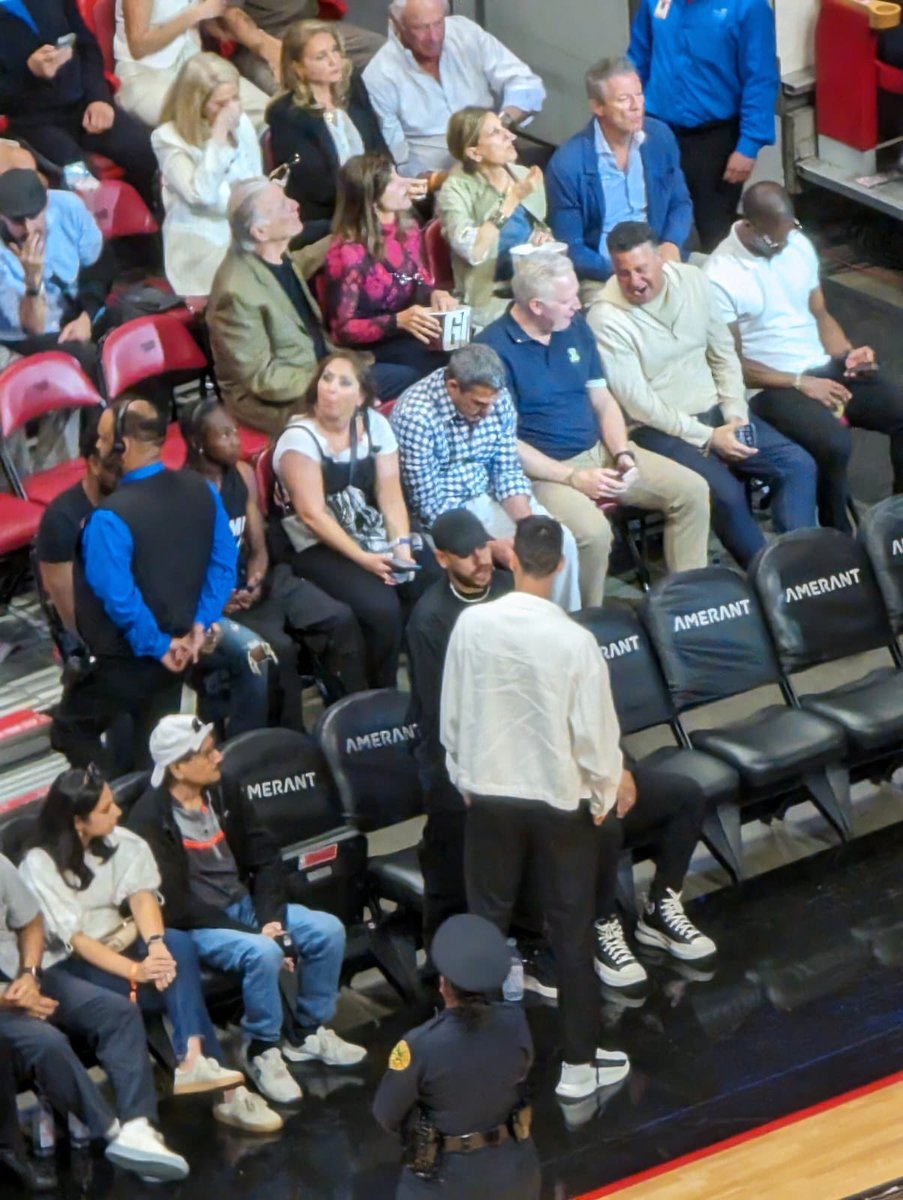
(718,782)
(398,877)
(19,521)
(44,486)
(869,710)
(774,745)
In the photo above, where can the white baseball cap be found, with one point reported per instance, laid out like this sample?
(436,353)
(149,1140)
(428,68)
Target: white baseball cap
(173,738)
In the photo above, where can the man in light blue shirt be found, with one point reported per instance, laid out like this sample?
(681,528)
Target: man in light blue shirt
(48,297)
(624,189)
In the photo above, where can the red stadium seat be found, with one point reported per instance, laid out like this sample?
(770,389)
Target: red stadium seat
(333,10)
(31,388)
(118,210)
(147,348)
(438,255)
(266,151)
(19,521)
(263,473)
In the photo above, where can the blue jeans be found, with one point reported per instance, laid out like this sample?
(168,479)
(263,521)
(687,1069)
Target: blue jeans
(319,940)
(183,1001)
(246,692)
(786,467)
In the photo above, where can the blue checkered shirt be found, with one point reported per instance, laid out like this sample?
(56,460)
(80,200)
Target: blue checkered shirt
(446,460)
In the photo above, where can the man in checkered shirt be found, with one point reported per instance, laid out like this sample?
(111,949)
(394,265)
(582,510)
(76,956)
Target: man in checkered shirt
(457,438)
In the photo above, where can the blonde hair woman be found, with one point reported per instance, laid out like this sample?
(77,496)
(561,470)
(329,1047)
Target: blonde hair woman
(488,204)
(323,118)
(205,145)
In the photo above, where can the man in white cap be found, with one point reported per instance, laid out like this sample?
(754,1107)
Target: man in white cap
(223,880)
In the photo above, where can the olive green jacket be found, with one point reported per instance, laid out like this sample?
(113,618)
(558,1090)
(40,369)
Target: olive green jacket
(465,201)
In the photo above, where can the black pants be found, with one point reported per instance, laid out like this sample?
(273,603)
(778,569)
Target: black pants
(61,138)
(876,404)
(502,834)
(667,818)
(703,156)
(409,360)
(10,1134)
(507,1172)
(441,855)
(142,688)
(380,610)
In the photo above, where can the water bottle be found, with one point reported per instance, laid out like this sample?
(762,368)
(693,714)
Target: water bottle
(513,987)
(43,1131)
(79,1133)
(77,177)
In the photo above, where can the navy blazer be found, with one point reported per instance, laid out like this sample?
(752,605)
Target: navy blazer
(577,203)
(295,130)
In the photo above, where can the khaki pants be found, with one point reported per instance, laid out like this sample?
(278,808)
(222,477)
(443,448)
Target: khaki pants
(663,486)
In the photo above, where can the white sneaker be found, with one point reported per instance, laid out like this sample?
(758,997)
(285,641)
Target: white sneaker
(205,1075)
(248,1111)
(140,1148)
(611,1067)
(271,1076)
(327,1047)
(665,924)
(614,961)
(582,1079)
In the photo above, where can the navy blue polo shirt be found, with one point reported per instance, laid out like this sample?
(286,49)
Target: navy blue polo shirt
(549,384)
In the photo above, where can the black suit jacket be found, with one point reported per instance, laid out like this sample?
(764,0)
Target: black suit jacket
(301,131)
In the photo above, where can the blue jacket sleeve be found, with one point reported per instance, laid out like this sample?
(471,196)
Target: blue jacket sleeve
(761,80)
(640,49)
(221,569)
(108,548)
(566,215)
(679,216)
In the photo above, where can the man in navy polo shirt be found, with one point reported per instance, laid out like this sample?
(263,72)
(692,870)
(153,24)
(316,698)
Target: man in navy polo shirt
(571,434)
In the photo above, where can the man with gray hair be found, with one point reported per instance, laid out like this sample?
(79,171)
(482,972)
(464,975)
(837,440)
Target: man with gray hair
(265,326)
(457,441)
(432,66)
(571,434)
(624,166)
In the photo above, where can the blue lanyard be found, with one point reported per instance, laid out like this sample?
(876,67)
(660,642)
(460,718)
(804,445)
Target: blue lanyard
(16,8)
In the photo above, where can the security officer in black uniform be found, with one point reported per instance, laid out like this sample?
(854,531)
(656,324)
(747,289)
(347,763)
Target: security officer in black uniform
(454,1087)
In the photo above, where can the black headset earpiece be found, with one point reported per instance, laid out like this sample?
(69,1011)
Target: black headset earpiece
(119,427)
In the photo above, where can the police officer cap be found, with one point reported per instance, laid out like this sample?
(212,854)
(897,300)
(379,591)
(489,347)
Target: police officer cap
(471,953)
(22,194)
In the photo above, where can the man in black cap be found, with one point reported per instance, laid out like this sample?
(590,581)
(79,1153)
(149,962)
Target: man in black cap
(463,551)
(52,282)
(454,1087)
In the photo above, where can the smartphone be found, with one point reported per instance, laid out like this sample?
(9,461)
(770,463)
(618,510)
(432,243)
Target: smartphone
(745,434)
(401,566)
(66,42)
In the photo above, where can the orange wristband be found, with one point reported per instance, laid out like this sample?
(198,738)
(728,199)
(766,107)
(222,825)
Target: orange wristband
(133,983)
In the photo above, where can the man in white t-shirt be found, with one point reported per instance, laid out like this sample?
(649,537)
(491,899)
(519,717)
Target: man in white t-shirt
(814,382)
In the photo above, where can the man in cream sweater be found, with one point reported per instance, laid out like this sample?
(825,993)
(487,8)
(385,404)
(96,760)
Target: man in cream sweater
(670,362)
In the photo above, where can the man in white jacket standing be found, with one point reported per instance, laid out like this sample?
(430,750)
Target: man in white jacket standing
(531,737)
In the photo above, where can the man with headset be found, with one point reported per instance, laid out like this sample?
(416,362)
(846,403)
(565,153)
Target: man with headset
(155,566)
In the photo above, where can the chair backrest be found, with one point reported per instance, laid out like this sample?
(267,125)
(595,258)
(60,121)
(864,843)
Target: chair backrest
(820,598)
(846,75)
(118,209)
(287,779)
(438,255)
(266,151)
(710,636)
(368,743)
(17,828)
(146,348)
(100,17)
(640,695)
(266,479)
(40,384)
(881,534)
(129,788)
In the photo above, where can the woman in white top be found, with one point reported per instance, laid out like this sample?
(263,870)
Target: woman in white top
(153,41)
(344,514)
(83,870)
(205,145)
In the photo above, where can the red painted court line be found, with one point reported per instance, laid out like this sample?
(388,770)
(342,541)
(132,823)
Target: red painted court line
(793,1118)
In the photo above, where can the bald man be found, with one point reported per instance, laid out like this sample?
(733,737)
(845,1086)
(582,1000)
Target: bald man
(814,382)
(155,567)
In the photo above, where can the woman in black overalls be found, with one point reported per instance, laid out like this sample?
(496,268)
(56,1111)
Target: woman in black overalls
(461,1075)
(340,492)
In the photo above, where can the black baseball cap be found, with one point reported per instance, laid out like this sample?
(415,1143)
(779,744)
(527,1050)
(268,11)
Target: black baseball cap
(471,953)
(22,194)
(459,532)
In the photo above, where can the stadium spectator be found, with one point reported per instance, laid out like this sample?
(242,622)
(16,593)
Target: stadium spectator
(379,290)
(323,118)
(457,435)
(156,565)
(488,205)
(671,365)
(204,146)
(224,885)
(345,524)
(432,66)
(814,382)
(571,434)
(624,166)
(153,41)
(270,600)
(55,95)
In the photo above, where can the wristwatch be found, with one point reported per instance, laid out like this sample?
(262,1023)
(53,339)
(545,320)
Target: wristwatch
(35,291)
(35,972)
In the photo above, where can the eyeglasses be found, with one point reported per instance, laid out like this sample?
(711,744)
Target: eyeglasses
(768,243)
(91,785)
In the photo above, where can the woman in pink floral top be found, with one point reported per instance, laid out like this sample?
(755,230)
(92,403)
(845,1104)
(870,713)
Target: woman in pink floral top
(379,290)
